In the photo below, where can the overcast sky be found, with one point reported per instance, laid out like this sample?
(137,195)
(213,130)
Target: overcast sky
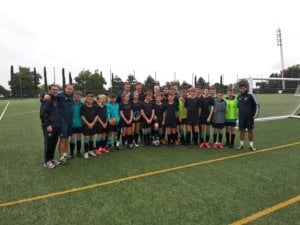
(232,37)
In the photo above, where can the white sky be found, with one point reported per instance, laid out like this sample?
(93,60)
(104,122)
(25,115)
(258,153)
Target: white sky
(232,37)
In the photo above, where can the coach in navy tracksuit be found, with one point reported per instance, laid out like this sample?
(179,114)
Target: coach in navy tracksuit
(65,105)
(248,110)
(49,114)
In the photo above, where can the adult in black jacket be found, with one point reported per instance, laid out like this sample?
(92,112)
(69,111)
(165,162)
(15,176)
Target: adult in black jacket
(49,114)
(248,110)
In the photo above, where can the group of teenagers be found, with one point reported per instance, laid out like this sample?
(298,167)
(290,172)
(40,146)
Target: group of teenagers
(126,120)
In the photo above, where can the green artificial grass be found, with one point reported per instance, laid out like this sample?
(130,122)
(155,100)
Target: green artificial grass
(218,193)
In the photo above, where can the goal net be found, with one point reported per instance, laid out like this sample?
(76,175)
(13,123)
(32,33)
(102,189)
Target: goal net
(278,98)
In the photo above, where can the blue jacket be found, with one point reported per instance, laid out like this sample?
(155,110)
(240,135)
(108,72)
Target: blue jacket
(76,119)
(113,111)
(65,103)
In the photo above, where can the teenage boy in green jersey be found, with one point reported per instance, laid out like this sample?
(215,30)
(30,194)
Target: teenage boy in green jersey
(230,117)
(182,116)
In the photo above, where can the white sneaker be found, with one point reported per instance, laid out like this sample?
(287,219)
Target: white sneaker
(91,153)
(252,148)
(86,155)
(49,165)
(240,147)
(55,162)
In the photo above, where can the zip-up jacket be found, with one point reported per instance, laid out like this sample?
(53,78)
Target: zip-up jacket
(49,113)
(113,111)
(248,106)
(65,104)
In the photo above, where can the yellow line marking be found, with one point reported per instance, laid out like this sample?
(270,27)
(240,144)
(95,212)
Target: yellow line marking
(267,211)
(141,175)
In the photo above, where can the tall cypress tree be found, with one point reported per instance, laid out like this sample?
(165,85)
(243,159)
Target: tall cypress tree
(70,78)
(63,78)
(35,80)
(11,78)
(45,80)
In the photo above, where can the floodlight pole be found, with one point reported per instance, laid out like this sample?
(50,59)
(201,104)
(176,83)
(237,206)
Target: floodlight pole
(279,43)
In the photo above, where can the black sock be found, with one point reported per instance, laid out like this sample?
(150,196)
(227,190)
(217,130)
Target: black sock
(130,139)
(123,140)
(91,145)
(169,138)
(72,147)
(174,137)
(136,137)
(78,146)
(215,137)
(86,146)
(207,136)
(227,138)
(156,134)
(232,139)
(188,137)
(97,144)
(195,138)
(220,137)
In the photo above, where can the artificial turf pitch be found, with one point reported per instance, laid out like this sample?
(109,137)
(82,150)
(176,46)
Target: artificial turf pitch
(216,193)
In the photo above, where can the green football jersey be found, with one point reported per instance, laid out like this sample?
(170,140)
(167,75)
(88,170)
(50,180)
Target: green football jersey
(231,109)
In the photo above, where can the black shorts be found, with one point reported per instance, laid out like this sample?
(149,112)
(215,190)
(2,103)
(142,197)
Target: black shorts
(218,125)
(203,121)
(192,122)
(230,124)
(145,125)
(87,131)
(113,128)
(124,124)
(183,121)
(76,130)
(246,123)
(100,129)
(159,121)
(171,123)
(136,121)
(65,130)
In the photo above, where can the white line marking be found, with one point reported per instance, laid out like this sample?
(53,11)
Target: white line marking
(2,114)
(21,113)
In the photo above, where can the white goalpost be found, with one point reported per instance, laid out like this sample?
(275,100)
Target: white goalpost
(279,98)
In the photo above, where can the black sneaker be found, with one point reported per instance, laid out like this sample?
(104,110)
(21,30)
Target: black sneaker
(227,144)
(71,156)
(79,155)
(230,146)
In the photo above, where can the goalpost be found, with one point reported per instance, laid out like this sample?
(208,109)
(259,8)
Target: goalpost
(275,102)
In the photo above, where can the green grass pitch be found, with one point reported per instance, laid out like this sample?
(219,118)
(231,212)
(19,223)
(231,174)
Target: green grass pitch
(217,193)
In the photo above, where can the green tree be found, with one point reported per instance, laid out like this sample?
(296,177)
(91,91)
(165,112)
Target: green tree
(70,78)
(23,83)
(63,78)
(149,83)
(90,82)
(117,84)
(292,72)
(201,83)
(3,92)
(185,85)
(45,80)
(132,80)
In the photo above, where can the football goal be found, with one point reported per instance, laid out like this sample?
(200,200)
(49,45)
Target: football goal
(276,102)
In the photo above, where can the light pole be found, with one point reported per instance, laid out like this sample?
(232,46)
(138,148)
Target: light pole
(279,43)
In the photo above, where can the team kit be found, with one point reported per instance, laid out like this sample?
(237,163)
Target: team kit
(196,118)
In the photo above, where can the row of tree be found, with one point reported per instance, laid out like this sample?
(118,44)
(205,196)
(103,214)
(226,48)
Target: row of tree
(26,83)
(274,86)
